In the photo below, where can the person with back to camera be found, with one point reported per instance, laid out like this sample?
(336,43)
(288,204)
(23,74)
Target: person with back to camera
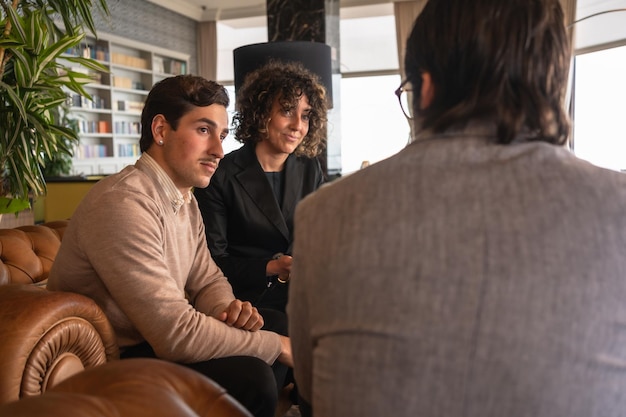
(481,270)
(136,245)
(249,205)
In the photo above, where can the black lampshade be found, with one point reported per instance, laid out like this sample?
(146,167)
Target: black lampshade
(314,56)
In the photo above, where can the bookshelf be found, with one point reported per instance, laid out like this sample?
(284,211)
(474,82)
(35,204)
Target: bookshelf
(110,123)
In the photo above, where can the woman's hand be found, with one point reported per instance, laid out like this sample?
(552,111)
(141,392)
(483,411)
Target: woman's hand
(280,265)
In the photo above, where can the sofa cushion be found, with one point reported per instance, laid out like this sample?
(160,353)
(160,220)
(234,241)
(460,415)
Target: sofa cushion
(27,252)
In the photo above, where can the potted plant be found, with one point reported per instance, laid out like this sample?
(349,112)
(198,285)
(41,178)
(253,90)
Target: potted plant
(34,83)
(60,164)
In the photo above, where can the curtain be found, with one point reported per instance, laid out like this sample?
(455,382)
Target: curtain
(207,50)
(405,13)
(569,8)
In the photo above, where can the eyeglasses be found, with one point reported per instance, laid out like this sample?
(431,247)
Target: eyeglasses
(402,93)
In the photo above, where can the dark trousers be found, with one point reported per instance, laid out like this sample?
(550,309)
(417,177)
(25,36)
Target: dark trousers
(249,380)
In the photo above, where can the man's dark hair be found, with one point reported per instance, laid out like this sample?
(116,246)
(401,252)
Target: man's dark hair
(176,96)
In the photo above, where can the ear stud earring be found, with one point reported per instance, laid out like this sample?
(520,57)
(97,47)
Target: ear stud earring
(161,143)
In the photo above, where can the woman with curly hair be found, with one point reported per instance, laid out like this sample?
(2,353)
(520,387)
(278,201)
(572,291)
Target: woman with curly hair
(249,205)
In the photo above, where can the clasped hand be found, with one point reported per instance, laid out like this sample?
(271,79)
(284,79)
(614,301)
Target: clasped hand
(242,315)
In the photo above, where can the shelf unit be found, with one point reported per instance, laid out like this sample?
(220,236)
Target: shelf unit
(110,124)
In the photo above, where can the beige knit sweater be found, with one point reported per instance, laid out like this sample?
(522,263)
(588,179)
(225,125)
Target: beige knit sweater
(148,267)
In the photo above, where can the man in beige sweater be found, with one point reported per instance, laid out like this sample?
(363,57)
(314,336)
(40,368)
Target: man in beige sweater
(136,245)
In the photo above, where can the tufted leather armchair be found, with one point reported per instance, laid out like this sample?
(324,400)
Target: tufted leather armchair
(45,336)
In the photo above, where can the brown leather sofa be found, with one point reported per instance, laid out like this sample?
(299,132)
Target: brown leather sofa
(61,345)
(133,388)
(46,336)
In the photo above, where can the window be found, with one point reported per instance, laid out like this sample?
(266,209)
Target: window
(599,84)
(373,125)
(368,39)
(230,144)
(600,125)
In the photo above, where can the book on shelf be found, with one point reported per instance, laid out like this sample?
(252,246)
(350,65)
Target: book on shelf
(122,82)
(129,105)
(104,126)
(128,149)
(96,102)
(175,67)
(123,127)
(89,50)
(158,65)
(96,77)
(88,126)
(90,151)
(129,61)
(102,53)
(94,127)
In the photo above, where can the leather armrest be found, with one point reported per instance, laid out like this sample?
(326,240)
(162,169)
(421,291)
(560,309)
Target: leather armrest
(132,387)
(48,336)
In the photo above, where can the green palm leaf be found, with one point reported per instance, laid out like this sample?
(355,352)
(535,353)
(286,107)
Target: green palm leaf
(33,89)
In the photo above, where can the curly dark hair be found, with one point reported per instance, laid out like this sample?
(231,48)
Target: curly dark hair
(287,82)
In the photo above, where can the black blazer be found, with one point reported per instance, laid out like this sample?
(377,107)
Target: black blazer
(245,226)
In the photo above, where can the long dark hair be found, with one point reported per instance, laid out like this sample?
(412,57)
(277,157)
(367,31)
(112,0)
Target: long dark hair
(507,60)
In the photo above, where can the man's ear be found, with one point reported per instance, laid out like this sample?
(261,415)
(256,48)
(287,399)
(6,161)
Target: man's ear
(427,91)
(158,125)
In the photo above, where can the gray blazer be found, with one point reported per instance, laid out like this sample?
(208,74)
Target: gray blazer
(463,278)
